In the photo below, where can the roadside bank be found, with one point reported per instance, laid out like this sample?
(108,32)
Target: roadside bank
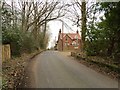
(13,70)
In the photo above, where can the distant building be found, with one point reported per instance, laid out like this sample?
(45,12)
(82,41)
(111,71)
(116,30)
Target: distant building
(68,41)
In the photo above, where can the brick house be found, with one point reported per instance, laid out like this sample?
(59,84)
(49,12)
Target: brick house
(68,41)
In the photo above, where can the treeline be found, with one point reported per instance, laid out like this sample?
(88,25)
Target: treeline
(24,24)
(103,37)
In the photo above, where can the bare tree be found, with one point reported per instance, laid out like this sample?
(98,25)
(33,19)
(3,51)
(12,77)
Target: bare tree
(37,14)
(81,11)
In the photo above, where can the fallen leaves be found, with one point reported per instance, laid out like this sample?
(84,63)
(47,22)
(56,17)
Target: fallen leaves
(13,70)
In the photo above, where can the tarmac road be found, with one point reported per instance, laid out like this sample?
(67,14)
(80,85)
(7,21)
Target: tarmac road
(54,70)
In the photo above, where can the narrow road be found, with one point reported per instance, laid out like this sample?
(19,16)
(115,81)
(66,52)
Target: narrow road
(54,70)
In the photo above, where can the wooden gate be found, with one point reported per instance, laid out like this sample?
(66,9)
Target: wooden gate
(6,52)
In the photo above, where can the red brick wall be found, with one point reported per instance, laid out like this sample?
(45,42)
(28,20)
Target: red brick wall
(65,46)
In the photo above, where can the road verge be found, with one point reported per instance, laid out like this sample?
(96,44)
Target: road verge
(99,64)
(13,71)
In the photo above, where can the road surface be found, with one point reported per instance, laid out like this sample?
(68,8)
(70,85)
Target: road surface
(54,70)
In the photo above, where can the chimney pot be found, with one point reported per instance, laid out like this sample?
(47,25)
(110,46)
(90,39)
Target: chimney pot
(60,31)
(77,31)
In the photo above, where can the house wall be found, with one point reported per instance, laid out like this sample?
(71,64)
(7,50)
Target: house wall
(67,44)
(59,45)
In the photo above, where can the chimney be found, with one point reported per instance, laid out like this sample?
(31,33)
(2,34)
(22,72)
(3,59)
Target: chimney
(77,32)
(60,31)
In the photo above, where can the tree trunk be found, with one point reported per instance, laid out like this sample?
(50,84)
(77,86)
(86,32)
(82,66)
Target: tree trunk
(23,17)
(35,30)
(84,27)
(110,47)
(13,22)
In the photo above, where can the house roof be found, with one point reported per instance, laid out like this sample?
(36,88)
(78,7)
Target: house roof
(71,35)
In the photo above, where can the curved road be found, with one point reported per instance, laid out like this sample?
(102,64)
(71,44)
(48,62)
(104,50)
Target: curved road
(54,70)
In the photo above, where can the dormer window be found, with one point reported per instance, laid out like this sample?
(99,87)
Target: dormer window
(76,37)
(66,39)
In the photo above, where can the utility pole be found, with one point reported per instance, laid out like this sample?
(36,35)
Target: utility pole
(62,33)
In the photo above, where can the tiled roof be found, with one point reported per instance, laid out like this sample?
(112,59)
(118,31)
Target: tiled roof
(71,35)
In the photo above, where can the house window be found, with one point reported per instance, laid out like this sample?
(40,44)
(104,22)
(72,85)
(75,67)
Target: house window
(74,43)
(67,44)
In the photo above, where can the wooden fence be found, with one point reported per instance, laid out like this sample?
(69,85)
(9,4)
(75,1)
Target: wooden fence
(6,52)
